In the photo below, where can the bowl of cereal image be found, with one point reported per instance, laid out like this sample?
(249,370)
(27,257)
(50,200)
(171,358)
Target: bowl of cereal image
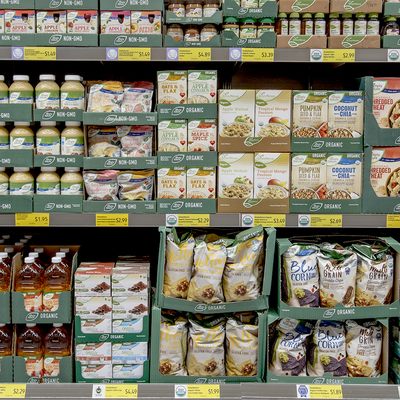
(342,133)
(394,116)
(274,130)
(393,184)
(242,126)
(338,194)
(305,194)
(272,192)
(306,131)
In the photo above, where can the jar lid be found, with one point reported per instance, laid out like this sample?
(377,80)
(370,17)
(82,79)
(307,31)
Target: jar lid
(48,169)
(294,15)
(1,77)
(20,123)
(194,2)
(56,260)
(267,20)
(282,15)
(391,19)
(373,15)
(72,123)
(21,77)
(209,26)
(72,169)
(348,15)
(47,77)
(73,78)
(176,1)
(248,21)
(230,20)
(48,123)
(361,15)
(29,260)
(21,169)
(307,15)
(334,15)
(33,254)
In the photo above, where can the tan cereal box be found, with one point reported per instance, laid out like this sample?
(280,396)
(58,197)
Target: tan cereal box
(201,183)
(172,135)
(202,87)
(172,87)
(202,135)
(171,183)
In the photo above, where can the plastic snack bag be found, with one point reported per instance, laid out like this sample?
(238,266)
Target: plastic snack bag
(105,97)
(137,97)
(103,142)
(101,185)
(136,185)
(136,141)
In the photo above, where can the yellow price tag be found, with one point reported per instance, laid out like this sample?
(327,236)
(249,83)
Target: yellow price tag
(13,391)
(193,54)
(392,221)
(40,53)
(121,392)
(277,220)
(134,54)
(32,219)
(193,220)
(261,55)
(338,55)
(197,391)
(326,221)
(112,220)
(326,392)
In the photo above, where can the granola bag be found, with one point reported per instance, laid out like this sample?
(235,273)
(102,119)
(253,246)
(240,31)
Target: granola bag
(374,275)
(299,276)
(136,185)
(364,348)
(178,265)
(337,276)
(289,350)
(241,346)
(327,352)
(241,278)
(101,185)
(173,344)
(206,355)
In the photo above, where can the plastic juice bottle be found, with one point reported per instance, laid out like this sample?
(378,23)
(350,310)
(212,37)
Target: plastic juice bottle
(6,259)
(64,260)
(5,275)
(29,281)
(29,346)
(57,344)
(57,279)
(37,261)
(5,341)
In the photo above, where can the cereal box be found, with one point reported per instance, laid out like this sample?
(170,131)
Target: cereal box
(235,175)
(82,21)
(130,307)
(273,113)
(115,22)
(129,371)
(201,183)
(202,135)
(127,326)
(2,21)
(93,307)
(19,21)
(97,371)
(93,353)
(171,183)
(129,353)
(271,175)
(172,87)
(146,22)
(202,87)
(236,113)
(172,135)
(93,279)
(51,21)
(386,102)
(310,114)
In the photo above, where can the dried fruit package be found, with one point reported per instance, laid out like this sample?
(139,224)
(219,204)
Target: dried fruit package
(299,276)
(137,97)
(101,185)
(178,265)
(136,141)
(327,352)
(337,276)
(105,96)
(136,185)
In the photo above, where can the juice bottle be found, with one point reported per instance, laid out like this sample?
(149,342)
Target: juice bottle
(29,281)
(36,258)
(56,345)
(5,341)
(5,275)
(6,258)
(6,237)
(29,346)
(57,278)
(42,256)
(64,259)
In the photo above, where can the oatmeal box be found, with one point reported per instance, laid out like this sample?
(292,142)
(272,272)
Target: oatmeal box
(19,21)
(200,183)
(82,21)
(51,21)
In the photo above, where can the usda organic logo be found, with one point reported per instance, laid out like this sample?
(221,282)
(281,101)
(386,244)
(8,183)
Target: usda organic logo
(180,391)
(393,55)
(247,220)
(316,55)
(303,220)
(171,220)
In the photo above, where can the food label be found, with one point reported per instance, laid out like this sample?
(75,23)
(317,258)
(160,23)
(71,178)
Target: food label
(338,55)
(3,189)
(47,188)
(23,189)
(3,97)
(40,53)
(319,392)
(72,146)
(392,221)
(112,220)
(48,100)
(22,142)
(187,220)
(193,54)
(265,55)
(33,301)
(34,366)
(126,391)
(4,142)
(73,100)
(51,301)
(48,145)
(22,97)
(134,54)
(52,366)
(68,188)
(12,391)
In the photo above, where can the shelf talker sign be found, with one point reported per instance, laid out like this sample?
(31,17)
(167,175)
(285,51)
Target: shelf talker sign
(319,392)
(117,391)
(201,391)
(34,53)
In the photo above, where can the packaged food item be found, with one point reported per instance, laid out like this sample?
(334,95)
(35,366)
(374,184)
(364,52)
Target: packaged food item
(129,281)
(2,12)
(30,347)
(93,353)
(137,97)
(3,87)
(206,355)
(194,8)
(175,31)
(91,307)
(202,87)
(72,93)
(310,113)
(21,91)
(19,21)
(173,345)
(21,136)
(130,307)
(57,344)
(208,32)
(273,113)
(172,135)
(136,185)
(136,141)
(210,7)
(127,326)
(115,21)
(299,276)
(72,139)
(72,182)
(6,340)
(146,22)
(101,185)
(4,182)
(236,113)
(201,183)
(235,175)
(93,279)
(364,348)
(95,325)
(103,141)
(51,21)
(327,351)
(82,21)
(171,183)
(271,175)
(48,139)
(48,181)
(105,97)
(47,93)
(178,264)
(97,371)
(129,353)
(4,137)
(202,135)
(386,102)
(248,28)
(192,33)
(172,87)
(21,182)
(177,7)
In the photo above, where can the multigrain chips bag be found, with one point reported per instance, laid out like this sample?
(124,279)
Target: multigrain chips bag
(337,276)
(206,354)
(364,348)
(289,350)
(241,279)
(178,265)
(241,345)
(327,352)
(374,275)
(173,345)
(299,276)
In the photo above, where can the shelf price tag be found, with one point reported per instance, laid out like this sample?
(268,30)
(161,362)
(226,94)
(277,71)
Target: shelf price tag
(40,53)
(13,391)
(338,55)
(320,221)
(393,221)
(192,54)
(125,391)
(187,220)
(266,220)
(32,219)
(319,392)
(112,220)
(134,54)
(197,391)
(261,55)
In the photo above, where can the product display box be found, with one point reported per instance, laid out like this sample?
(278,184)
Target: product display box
(266,40)
(57,203)
(130,40)
(171,42)
(354,42)
(186,206)
(231,8)
(307,6)
(187,159)
(15,112)
(391,8)
(120,206)
(157,377)
(5,301)
(119,118)
(6,369)
(354,6)
(57,161)
(15,204)
(57,115)
(340,312)
(18,4)
(16,158)
(48,39)
(261,303)
(301,42)
(390,42)
(272,206)
(187,111)
(139,5)
(119,163)
(66,5)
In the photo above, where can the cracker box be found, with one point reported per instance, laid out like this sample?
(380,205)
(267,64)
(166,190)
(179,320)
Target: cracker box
(97,371)
(93,279)
(129,353)
(172,135)
(130,307)
(130,280)
(2,12)
(96,325)
(93,353)
(127,326)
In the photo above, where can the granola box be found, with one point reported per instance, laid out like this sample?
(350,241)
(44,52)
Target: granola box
(82,21)
(386,102)
(146,22)
(115,22)
(202,87)
(93,353)
(172,135)
(130,307)
(202,135)
(171,183)
(93,279)
(172,87)
(93,307)
(51,21)
(19,21)
(201,183)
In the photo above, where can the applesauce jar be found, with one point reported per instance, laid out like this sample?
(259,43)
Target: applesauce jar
(48,139)
(47,93)
(21,91)
(22,137)
(72,93)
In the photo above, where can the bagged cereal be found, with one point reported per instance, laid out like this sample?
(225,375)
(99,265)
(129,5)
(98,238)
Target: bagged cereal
(136,184)
(101,185)
(137,97)
(337,276)
(178,265)
(105,97)
(289,349)
(299,276)
(241,280)
(241,346)
(327,352)
(173,345)
(364,348)
(136,141)
(206,354)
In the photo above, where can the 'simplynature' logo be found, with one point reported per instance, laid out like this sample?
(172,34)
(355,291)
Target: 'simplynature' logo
(177,205)
(55,39)
(49,114)
(316,207)
(103,337)
(317,145)
(110,163)
(396,208)
(110,119)
(120,39)
(200,308)
(48,160)
(55,3)
(177,111)
(329,313)
(49,206)
(110,207)
(177,159)
(31,316)
(121,3)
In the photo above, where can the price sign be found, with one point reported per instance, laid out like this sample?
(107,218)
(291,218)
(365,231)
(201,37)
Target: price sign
(134,54)
(197,391)
(326,221)
(112,220)
(191,54)
(40,53)
(266,220)
(32,219)
(188,220)
(261,55)
(319,392)
(338,55)
(126,391)
(392,221)
(13,391)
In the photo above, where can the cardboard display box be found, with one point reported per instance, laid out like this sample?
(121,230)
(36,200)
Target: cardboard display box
(356,6)
(354,42)
(305,6)
(301,42)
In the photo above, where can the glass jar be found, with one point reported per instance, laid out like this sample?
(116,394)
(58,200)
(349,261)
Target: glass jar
(72,139)
(347,24)
(3,91)
(72,93)
(175,31)
(177,7)
(21,91)
(334,25)
(373,26)
(192,34)
(194,9)
(72,182)
(360,24)
(248,29)
(4,136)
(231,24)
(391,27)
(282,24)
(210,8)
(48,139)
(48,182)
(319,24)
(208,32)
(307,24)
(22,137)
(21,182)
(266,25)
(47,93)
(4,182)
(294,24)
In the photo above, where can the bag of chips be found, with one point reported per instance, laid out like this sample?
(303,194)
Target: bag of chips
(103,142)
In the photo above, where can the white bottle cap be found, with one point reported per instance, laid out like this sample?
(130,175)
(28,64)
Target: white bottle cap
(39,249)
(2,169)
(47,77)
(21,123)
(72,78)
(48,123)
(48,169)
(57,325)
(19,244)
(56,260)
(2,325)
(9,250)
(24,241)
(64,249)
(33,254)
(6,237)
(2,123)
(21,77)
(29,260)
(3,254)
(21,169)
(72,169)
(60,254)
(30,325)
(1,77)
(28,237)
(72,123)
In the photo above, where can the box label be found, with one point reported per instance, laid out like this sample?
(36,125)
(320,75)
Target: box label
(13,391)
(112,220)
(197,391)
(32,219)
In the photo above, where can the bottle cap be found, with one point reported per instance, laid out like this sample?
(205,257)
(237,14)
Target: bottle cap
(57,325)
(56,260)
(30,325)
(33,254)
(29,260)
(3,255)
(47,77)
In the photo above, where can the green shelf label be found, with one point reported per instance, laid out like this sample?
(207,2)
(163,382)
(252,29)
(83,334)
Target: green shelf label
(66,4)
(130,207)
(109,40)
(58,115)
(16,158)
(187,111)
(190,159)
(139,5)
(15,112)
(120,163)
(120,118)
